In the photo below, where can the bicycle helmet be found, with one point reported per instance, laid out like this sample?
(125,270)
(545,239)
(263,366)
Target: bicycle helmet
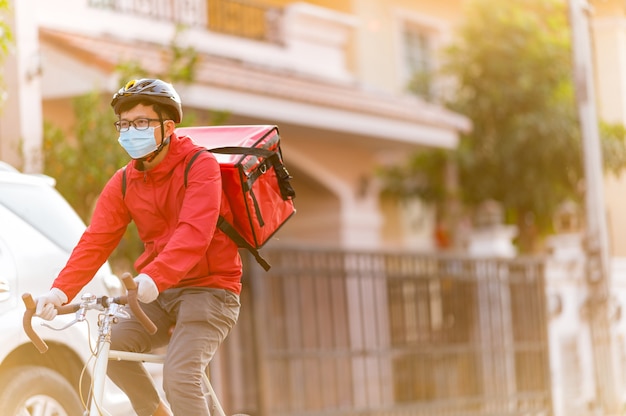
(153,90)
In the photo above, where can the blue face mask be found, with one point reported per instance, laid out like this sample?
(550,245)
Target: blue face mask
(138,143)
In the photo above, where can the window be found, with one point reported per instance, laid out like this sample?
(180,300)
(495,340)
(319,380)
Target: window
(418,37)
(418,49)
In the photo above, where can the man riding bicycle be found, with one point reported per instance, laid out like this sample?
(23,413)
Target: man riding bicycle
(189,275)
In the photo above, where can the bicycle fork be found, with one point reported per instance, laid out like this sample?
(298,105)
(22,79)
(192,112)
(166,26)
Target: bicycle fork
(102,358)
(100,368)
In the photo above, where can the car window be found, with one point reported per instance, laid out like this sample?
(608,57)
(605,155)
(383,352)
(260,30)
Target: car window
(44,209)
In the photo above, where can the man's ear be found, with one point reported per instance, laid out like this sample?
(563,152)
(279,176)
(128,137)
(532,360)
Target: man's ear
(170,126)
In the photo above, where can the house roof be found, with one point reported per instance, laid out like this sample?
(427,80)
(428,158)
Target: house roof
(105,52)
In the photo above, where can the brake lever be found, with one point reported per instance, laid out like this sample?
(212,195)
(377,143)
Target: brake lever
(87,300)
(121,313)
(81,316)
(47,325)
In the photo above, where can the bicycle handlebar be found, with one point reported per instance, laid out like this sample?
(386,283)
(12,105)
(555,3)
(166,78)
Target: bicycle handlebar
(28,327)
(133,302)
(130,298)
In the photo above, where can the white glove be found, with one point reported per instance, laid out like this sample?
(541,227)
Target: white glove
(147,290)
(46,303)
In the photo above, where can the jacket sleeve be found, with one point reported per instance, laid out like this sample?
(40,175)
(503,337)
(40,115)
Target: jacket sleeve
(195,227)
(101,237)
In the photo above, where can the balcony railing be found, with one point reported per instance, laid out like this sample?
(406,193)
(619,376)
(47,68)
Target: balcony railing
(240,18)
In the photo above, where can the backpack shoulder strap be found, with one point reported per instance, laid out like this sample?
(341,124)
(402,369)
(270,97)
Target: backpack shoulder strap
(124,182)
(193,159)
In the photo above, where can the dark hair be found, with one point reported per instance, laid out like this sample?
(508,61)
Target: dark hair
(166,112)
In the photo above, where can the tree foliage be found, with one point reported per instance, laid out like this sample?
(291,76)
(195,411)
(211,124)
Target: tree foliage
(512,66)
(85,160)
(613,138)
(524,149)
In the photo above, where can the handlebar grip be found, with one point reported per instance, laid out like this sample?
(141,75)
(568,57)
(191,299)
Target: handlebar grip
(67,309)
(27,323)
(133,302)
(129,282)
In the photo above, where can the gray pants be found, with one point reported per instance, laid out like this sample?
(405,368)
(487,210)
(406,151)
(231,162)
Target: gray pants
(201,318)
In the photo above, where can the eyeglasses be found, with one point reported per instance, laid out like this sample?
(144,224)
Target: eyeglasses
(139,124)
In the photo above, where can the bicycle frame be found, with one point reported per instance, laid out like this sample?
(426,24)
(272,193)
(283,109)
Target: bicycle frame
(110,311)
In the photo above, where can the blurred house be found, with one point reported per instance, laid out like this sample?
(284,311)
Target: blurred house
(332,75)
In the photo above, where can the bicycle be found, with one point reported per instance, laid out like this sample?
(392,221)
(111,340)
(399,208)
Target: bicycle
(111,310)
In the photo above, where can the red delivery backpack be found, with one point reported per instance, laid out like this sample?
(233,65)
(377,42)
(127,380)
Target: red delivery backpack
(254,179)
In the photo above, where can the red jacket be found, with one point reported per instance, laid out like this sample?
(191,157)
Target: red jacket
(182,246)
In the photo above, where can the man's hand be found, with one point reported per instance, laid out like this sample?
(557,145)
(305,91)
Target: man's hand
(46,304)
(147,290)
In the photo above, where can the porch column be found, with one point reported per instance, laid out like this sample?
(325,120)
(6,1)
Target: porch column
(21,119)
(361,222)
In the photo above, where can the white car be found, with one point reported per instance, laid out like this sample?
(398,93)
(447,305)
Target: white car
(38,230)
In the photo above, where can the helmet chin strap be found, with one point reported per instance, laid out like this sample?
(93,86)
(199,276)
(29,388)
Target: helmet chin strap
(154,154)
(164,142)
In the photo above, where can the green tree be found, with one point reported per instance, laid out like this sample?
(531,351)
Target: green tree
(613,138)
(91,150)
(512,66)
(524,148)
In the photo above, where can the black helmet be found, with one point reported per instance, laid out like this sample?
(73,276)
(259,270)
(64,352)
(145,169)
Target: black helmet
(154,90)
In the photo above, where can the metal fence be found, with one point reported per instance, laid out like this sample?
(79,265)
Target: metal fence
(381,334)
(241,18)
